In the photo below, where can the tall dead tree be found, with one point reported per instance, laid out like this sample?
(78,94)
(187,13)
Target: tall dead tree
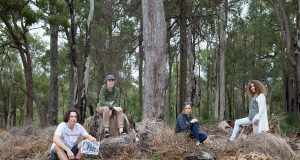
(154,41)
(86,65)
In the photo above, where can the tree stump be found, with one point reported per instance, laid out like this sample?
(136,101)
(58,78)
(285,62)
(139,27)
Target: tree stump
(94,125)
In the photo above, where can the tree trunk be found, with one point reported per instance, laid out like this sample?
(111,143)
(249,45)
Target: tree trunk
(238,103)
(193,87)
(207,113)
(141,60)
(86,67)
(183,54)
(229,97)
(178,108)
(297,56)
(217,70)
(73,89)
(223,11)
(171,57)
(242,85)
(53,100)
(111,68)
(5,114)
(41,111)
(154,34)
(217,98)
(293,59)
(29,88)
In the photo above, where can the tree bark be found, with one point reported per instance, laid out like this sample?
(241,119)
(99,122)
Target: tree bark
(53,100)
(171,57)
(154,35)
(86,67)
(238,103)
(192,82)
(297,56)
(207,113)
(141,60)
(217,70)
(111,68)
(183,54)
(8,126)
(223,12)
(73,89)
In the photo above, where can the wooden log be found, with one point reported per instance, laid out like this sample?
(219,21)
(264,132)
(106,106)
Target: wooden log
(224,127)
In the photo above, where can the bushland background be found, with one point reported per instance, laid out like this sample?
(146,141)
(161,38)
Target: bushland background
(54,54)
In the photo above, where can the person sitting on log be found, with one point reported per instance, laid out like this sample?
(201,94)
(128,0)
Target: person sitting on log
(257,110)
(109,101)
(64,145)
(185,123)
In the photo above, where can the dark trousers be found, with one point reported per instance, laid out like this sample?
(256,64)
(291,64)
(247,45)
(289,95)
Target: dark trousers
(195,133)
(53,155)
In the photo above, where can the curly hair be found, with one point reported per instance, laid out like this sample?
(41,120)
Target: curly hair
(67,114)
(259,88)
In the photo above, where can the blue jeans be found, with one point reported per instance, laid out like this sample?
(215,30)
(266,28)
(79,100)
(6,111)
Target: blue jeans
(196,135)
(53,155)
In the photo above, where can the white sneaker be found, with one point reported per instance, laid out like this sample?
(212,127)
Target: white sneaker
(197,143)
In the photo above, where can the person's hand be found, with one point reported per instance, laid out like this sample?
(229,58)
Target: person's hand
(70,154)
(255,122)
(194,120)
(118,109)
(92,139)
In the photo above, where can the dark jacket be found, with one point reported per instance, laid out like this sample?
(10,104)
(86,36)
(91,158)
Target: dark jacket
(107,98)
(183,123)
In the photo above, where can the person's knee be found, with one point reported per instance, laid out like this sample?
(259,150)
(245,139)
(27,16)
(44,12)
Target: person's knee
(60,153)
(107,111)
(102,109)
(195,125)
(237,122)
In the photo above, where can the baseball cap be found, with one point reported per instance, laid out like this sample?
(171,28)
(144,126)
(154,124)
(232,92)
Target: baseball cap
(110,77)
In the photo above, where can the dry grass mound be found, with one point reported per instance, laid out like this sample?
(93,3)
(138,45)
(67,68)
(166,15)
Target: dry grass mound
(155,141)
(16,145)
(266,144)
(269,144)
